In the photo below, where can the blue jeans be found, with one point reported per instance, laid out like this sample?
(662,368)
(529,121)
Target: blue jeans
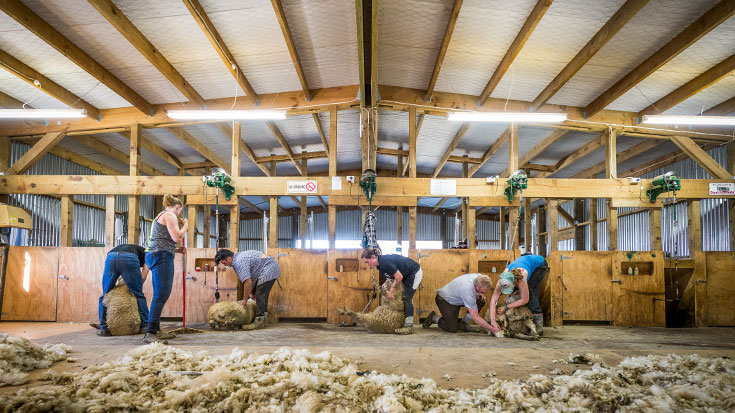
(127,266)
(161,264)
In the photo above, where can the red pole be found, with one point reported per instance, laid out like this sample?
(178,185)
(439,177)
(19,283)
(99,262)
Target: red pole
(183,281)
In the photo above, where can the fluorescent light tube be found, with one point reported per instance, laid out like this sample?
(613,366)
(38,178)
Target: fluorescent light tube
(42,113)
(689,120)
(225,114)
(507,117)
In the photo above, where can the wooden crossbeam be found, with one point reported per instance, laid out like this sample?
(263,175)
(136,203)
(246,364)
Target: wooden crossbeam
(53,38)
(660,162)
(443,49)
(419,122)
(623,156)
(200,16)
(281,16)
(706,23)
(440,203)
(81,160)
(320,129)
(118,155)
(616,22)
(9,102)
(250,205)
(585,150)
(570,219)
(725,108)
(281,140)
(35,153)
(46,85)
(286,158)
(207,153)
(117,19)
(531,22)
(691,88)
(491,151)
(452,145)
(701,157)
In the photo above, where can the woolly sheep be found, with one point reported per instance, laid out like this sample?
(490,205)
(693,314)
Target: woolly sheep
(517,322)
(385,319)
(230,315)
(123,318)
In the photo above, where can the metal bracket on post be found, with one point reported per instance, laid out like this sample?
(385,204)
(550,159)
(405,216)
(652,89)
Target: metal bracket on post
(279,255)
(423,255)
(563,257)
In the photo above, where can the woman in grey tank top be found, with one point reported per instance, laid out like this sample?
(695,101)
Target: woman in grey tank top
(159,257)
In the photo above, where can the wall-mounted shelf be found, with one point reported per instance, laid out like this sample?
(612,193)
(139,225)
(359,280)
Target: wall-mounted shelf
(201,262)
(486,267)
(644,267)
(347,265)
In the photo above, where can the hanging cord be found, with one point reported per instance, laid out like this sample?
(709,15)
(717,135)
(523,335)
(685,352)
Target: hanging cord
(515,228)
(676,249)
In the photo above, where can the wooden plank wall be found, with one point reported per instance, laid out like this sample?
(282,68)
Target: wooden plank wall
(639,300)
(80,277)
(351,287)
(302,292)
(586,285)
(34,300)
(720,291)
(439,267)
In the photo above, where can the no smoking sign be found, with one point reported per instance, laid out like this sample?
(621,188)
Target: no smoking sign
(302,187)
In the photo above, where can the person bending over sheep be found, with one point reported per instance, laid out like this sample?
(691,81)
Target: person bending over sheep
(524,274)
(258,272)
(126,261)
(401,270)
(467,290)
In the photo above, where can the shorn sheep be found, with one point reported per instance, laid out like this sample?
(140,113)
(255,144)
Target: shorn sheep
(517,322)
(230,315)
(387,318)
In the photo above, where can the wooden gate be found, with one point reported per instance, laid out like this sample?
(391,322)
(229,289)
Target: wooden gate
(303,284)
(80,283)
(720,288)
(349,284)
(439,267)
(30,284)
(638,300)
(585,285)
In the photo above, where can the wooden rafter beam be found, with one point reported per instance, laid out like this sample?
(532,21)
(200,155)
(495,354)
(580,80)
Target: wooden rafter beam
(151,147)
(81,160)
(623,156)
(322,135)
(660,162)
(443,49)
(321,201)
(452,145)
(281,16)
(580,153)
(53,38)
(250,205)
(244,147)
(286,158)
(46,85)
(570,219)
(404,153)
(440,203)
(281,140)
(725,108)
(701,157)
(367,44)
(117,19)
(9,102)
(691,88)
(35,153)
(502,140)
(113,153)
(616,22)
(200,16)
(207,153)
(711,19)
(531,22)
(538,149)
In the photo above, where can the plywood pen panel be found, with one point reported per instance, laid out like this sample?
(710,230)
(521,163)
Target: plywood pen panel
(80,283)
(30,284)
(720,289)
(639,300)
(439,267)
(201,286)
(586,285)
(302,292)
(174,302)
(491,263)
(350,284)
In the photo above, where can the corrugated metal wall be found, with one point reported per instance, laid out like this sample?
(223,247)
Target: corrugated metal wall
(633,230)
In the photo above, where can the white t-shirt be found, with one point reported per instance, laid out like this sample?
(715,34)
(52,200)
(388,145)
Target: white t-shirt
(461,291)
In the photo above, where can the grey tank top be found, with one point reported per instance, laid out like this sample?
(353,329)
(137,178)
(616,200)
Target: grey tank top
(160,239)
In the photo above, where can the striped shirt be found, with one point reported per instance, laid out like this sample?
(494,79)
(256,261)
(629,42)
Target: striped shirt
(249,264)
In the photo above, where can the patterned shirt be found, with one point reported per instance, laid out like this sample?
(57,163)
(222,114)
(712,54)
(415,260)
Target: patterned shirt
(249,264)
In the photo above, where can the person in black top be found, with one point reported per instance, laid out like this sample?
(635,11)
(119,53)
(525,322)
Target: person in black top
(126,261)
(401,270)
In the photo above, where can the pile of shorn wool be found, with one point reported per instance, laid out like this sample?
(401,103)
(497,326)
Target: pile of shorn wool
(18,355)
(157,378)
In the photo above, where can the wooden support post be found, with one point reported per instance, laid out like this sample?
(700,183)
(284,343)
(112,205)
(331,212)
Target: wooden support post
(611,163)
(513,231)
(332,216)
(399,210)
(503,236)
(234,227)
(694,223)
(654,228)
(411,228)
(273,224)
(731,169)
(465,200)
(4,161)
(541,225)
(109,222)
(135,161)
(553,225)
(612,226)
(412,141)
(303,206)
(443,230)
(207,216)
(528,240)
(236,148)
(191,238)
(579,239)
(513,149)
(133,200)
(471,221)
(67,221)
(333,141)
(593,224)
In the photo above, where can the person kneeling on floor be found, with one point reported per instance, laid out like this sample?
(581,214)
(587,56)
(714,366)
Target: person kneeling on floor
(468,291)
(257,272)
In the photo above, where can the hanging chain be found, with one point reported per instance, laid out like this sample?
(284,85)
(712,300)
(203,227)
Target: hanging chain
(515,228)
(676,249)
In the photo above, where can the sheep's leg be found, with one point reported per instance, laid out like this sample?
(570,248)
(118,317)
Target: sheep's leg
(346,311)
(526,337)
(531,327)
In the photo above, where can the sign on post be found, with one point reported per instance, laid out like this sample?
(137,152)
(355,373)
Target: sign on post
(722,188)
(301,187)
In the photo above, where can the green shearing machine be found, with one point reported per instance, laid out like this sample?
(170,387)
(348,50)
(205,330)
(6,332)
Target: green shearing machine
(661,184)
(517,182)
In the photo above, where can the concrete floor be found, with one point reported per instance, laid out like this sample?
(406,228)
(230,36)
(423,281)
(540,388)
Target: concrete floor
(427,353)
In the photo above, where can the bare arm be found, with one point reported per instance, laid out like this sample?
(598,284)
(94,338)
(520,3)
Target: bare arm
(493,304)
(397,278)
(172,225)
(247,290)
(480,322)
(523,289)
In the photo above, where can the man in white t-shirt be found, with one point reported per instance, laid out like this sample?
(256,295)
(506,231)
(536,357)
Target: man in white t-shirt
(468,291)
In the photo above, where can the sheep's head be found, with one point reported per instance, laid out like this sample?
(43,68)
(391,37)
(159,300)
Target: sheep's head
(397,295)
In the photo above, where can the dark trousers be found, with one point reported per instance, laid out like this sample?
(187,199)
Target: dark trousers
(262,293)
(534,282)
(408,293)
(161,264)
(127,266)
(450,313)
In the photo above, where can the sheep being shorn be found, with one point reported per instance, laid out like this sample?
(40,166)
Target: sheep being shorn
(387,318)
(18,355)
(517,322)
(230,315)
(163,378)
(122,316)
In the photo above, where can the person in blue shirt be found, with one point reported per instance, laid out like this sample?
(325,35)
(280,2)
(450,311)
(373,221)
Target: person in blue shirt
(523,275)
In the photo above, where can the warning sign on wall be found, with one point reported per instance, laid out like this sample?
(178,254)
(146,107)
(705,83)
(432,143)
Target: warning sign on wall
(301,187)
(722,188)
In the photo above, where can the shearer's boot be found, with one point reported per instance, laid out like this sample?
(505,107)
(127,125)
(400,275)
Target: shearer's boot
(257,324)
(405,330)
(153,338)
(165,335)
(538,320)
